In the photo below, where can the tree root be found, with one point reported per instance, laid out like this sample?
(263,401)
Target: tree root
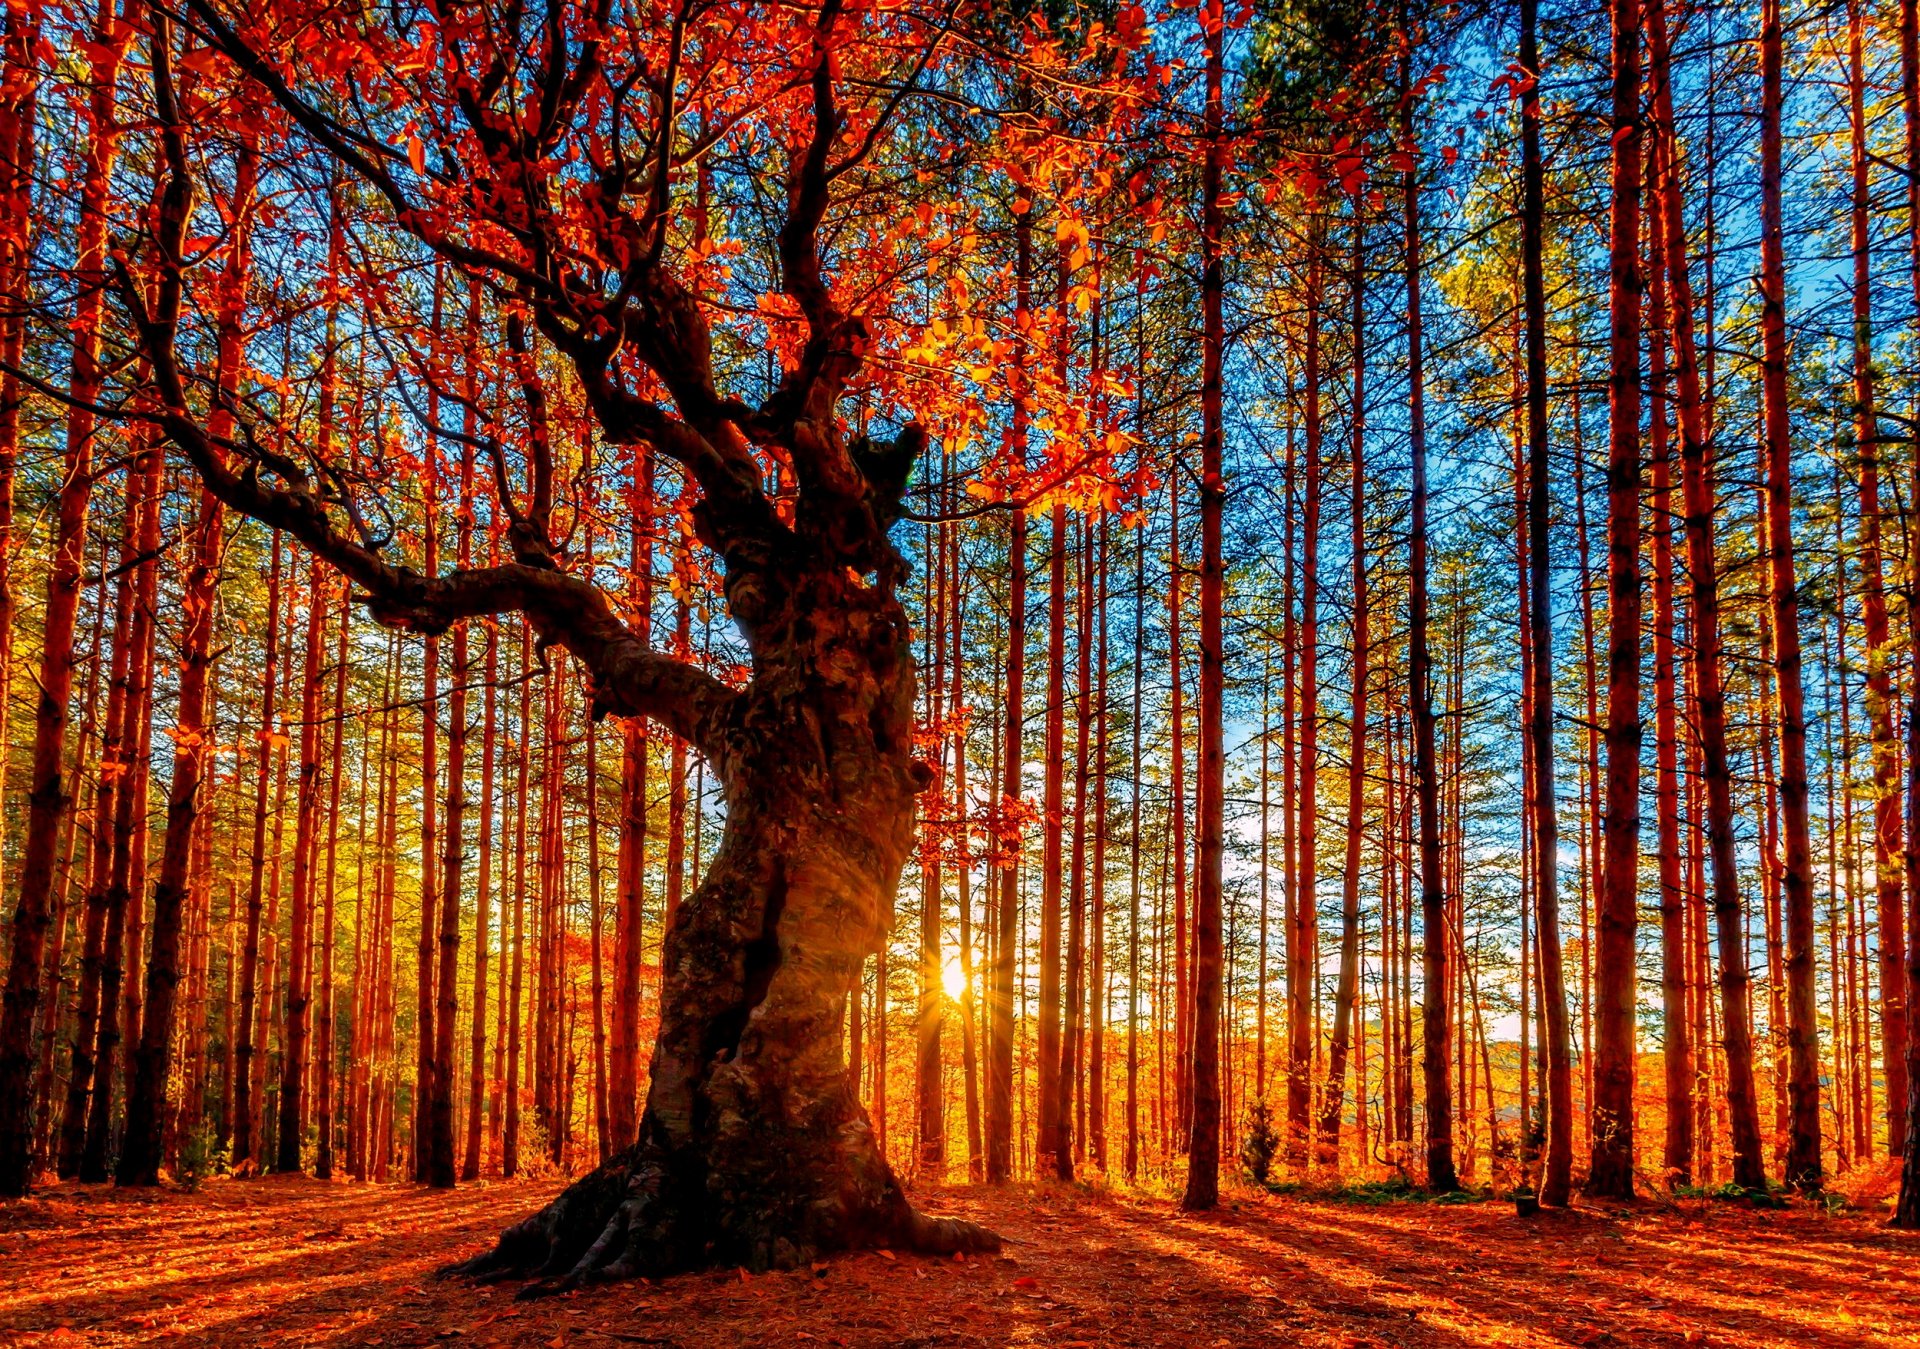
(627,1220)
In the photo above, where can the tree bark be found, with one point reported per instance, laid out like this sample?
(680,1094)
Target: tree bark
(144,1139)
(1803,1165)
(1347,995)
(1436,945)
(243,1102)
(48,794)
(1699,509)
(299,969)
(1007,840)
(1556,1176)
(1677,1047)
(1203,1148)
(1610,1174)
(1907,1210)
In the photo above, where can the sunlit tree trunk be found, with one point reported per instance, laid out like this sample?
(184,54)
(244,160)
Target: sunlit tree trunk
(1610,1174)
(299,970)
(1907,1211)
(20,76)
(1698,514)
(244,1102)
(127,879)
(1203,1149)
(110,778)
(516,994)
(1303,796)
(440,1162)
(48,794)
(1435,943)
(1888,850)
(1803,1166)
(1006,840)
(323,1086)
(1677,1046)
(1556,1176)
(1052,1156)
(630,902)
(152,1060)
(1334,1101)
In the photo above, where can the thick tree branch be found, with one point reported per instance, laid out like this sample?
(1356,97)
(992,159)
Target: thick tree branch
(629,679)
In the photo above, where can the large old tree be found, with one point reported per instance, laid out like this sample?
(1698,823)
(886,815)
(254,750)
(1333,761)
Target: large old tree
(550,157)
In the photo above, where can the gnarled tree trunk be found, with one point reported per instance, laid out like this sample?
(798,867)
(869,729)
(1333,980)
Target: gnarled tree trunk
(754,1149)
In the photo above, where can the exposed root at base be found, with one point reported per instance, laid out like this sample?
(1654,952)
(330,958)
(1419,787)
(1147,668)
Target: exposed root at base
(626,1221)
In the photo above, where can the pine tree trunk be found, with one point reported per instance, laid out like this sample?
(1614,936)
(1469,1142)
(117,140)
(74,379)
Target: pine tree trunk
(1333,1102)
(630,902)
(1698,512)
(1302,891)
(441,1167)
(1610,1174)
(112,773)
(1907,1211)
(516,997)
(1436,945)
(1203,1148)
(48,794)
(1556,1177)
(244,1104)
(323,1087)
(1006,835)
(143,1143)
(1052,1157)
(1677,1046)
(1803,1166)
(19,102)
(299,967)
(1888,849)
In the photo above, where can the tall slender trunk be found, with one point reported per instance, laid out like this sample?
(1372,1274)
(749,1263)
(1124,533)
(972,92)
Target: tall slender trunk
(1130,1156)
(109,781)
(20,77)
(1435,944)
(127,882)
(1333,1102)
(630,902)
(323,1063)
(1203,1148)
(1073,1044)
(1052,1156)
(523,745)
(1803,1167)
(1610,1174)
(440,1163)
(1907,1211)
(1302,893)
(299,971)
(1888,850)
(1556,1177)
(1698,505)
(1097,991)
(484,884)
(244,1104)
(1000,981)
(425,1003)
(48,793)
(1676,1032)
(144,1141)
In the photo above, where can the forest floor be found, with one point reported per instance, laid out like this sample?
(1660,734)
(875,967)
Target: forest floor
(293,1261)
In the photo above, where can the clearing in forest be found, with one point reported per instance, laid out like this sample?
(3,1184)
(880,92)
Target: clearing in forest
(293,1261)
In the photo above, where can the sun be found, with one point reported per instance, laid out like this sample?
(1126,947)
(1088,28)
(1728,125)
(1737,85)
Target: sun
(954,979)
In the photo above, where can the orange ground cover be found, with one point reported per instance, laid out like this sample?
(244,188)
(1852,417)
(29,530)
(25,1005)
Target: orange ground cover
(297,1262)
